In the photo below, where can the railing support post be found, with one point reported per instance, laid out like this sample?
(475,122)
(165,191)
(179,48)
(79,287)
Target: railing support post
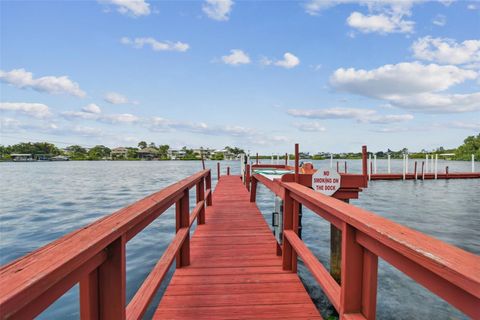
(359,277)
(182,216)
(109,282)
(201,197)
(287,225)
(89,308)
(253,191)
(248,178)
(208,185)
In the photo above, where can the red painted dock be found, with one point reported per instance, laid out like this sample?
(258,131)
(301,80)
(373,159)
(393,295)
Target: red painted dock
(234,272)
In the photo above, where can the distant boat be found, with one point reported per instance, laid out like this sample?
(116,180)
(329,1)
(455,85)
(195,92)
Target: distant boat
(60,158)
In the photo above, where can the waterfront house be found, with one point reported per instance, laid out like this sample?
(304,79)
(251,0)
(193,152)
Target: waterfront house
(148,153)
(227,155)
(175,154)
(119,153)
(207,153)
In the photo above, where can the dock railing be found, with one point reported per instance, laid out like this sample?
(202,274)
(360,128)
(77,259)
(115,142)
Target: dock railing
(94,256)
(449,272)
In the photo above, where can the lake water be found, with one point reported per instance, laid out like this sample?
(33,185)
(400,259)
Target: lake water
(43,201)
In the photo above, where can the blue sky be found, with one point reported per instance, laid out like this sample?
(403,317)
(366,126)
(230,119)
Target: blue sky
(262,75)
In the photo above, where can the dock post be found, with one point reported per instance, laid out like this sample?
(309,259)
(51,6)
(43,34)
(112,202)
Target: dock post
(436,166)
(375,163)
(271,159)
(426,163)
(406,163)
(473,163)
(286,159)
(388,163)
(338,170)
(218,171)
(403,169)
(415,170)
(364,164)
(287,249)
(182,217)
(345,166)
(253,190)
(369,166)
(423,173)
(336,252)
(331,160)
(278,158)
(446,172)
(297,155)
(228,170)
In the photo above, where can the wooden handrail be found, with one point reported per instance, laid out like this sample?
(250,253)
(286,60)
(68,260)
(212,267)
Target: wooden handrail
(95,257)
(449,272)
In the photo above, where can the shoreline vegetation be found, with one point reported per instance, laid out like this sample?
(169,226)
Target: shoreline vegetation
(46,151)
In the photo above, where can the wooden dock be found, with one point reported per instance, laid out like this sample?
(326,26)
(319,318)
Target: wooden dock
(234,272)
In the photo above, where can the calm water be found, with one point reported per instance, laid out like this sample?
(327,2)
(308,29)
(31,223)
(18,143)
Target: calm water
(43,201)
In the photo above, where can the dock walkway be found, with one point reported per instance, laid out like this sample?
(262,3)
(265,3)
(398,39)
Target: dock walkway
(234,272)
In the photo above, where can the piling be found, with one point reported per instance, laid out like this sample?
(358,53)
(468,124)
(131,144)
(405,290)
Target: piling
(415,170)
(388,164)
(423,173)
(473,163)
(436,166)
(345,166)
(218,171)
(375,163)
(228,171)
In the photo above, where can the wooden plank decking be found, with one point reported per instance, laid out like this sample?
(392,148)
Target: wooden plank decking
(234,271)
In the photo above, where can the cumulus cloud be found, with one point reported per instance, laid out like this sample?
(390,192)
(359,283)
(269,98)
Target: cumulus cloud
(289,61)
(87,131)
(135,8)
(23,79)
(236,57)
(156,45)
(93,112)
(361,115)
(92,108)
(465,125)
(447,51)
(384,16)
(443,103)
(309,126)
(162,124)
(380,23)
(412,86)
(218,9)
(117,98)
(36,110)
(407,78)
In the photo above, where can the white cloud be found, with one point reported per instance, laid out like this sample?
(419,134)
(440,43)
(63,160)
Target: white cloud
(309,126)
(380,23)
(236,57)
(443,103)
(23,79)
(385,16)
(117,98)
(361,115)
(465,125)
(36,110)
(134,8)
(162,124)
(87,131)
(472,6)
(412,86)
(440,20)
(88,114)
(289,61)
(407,78)
(156,45)
(92,108)
(218,9)
(447,51)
